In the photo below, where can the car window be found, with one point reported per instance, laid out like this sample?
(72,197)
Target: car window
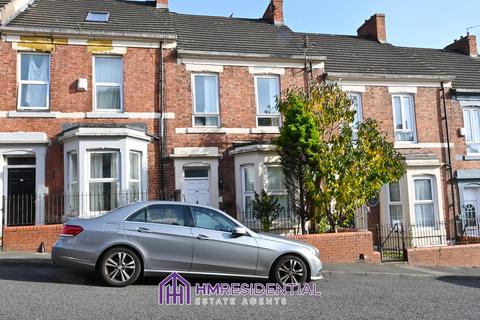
(139,216)
(166,214)
(209,219)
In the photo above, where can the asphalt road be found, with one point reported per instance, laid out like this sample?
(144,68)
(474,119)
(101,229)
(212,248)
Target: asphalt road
(44,292)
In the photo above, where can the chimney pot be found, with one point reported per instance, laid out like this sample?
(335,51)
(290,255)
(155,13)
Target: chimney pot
(274,13)
(374,28)
(466,45)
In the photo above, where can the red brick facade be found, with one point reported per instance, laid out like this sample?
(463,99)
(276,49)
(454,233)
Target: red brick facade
(30,238)
(453,256)
(345,247)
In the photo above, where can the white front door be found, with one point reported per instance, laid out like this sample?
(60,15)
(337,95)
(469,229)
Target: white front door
(197,186)
(471,203)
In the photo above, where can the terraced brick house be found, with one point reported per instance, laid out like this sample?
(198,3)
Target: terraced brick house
(108,102)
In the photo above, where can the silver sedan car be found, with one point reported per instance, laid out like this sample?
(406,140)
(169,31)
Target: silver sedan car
(150,238)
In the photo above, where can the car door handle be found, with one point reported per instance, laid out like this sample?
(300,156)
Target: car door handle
(202,237)
(143,230)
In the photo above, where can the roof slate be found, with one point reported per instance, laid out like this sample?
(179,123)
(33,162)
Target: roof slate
(351,54)
(233,35)
(125,16)
(345,54)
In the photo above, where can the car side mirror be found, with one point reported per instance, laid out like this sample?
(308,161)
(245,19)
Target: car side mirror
(239,231)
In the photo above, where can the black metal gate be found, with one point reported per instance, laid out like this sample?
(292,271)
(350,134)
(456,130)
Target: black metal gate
(391,242)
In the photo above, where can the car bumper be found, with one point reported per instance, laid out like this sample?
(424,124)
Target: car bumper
(65,256)
(318,276)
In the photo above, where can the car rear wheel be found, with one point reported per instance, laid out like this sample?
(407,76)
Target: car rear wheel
(290,270)
(120,267)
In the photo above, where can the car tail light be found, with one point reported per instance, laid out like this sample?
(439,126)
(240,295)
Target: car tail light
(70,231)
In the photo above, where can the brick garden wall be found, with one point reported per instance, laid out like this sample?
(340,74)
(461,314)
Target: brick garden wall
(29,238)
(343,247)
(452,256)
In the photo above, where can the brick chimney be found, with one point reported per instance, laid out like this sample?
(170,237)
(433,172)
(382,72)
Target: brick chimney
(374,28)
(466,45)
(274,13)
(162,4)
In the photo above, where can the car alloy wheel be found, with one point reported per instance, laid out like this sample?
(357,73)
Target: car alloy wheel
(290,270)
(120,267)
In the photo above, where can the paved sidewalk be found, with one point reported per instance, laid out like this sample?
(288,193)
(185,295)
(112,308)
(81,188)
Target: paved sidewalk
(361,269)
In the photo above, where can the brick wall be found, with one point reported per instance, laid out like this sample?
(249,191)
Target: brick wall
(343,247)
(452,256)
(29,238)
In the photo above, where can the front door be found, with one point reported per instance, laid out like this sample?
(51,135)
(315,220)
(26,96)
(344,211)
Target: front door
(21,196)
(197,186)
(217,250)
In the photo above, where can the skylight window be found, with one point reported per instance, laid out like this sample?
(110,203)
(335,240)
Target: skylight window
(94,16)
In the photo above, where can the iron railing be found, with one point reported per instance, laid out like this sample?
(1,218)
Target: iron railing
(24,210)
(458,231)
(288,224)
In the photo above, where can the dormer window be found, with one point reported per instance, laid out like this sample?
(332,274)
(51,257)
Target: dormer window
(95,16)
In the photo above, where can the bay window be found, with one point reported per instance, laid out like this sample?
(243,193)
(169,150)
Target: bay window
(267,91)
(471,118)
(276,187)
(248,187)
(108,83)
(34,81)
(104,180)
(205,100)
(135,182)
(404,118)
(424,201)
(395,203)
(73,179)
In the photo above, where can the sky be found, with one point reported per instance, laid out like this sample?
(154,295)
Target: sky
(413,23)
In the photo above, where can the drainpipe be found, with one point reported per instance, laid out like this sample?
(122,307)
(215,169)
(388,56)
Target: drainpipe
(449,159)
(162,125)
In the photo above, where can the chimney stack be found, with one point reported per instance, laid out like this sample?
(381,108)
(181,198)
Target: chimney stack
(274,13)
(465,45)
(374,28)
(162,4)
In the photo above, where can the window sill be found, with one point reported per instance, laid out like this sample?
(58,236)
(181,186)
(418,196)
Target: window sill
(107,115)
(407,145)
(471,157)
(31,114)
(209,130)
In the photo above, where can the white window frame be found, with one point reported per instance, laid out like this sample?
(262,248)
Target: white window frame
(246,193)
(474,127)
(107,84)
(402,97)
(434,201)
(116,180)
(139,172)
(358,96)
(279,192)
(272,115)
(395,203)
(21,82)
(205,114)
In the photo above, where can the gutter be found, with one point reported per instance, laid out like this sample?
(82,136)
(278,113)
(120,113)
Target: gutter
(240,55)
(385,76)
(467,91)
(86,33)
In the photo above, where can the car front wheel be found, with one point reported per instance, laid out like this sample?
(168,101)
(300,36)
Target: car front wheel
(119,267)
(290,270)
